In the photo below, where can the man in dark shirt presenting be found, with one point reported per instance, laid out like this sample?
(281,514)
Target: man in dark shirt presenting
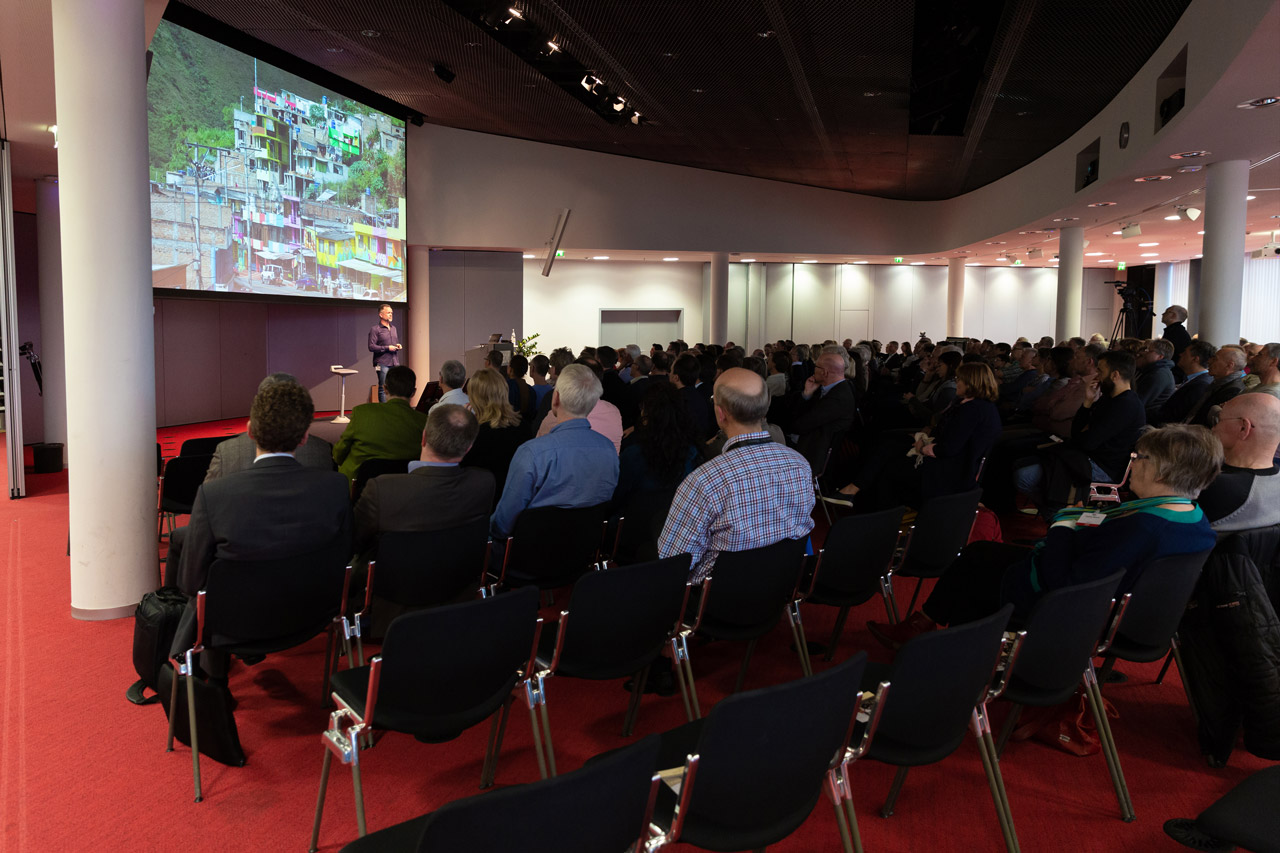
(385,345)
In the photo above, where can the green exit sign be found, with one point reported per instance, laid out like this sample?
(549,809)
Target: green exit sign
(1121,265)
(560,253)
(1017,263)
(897,260)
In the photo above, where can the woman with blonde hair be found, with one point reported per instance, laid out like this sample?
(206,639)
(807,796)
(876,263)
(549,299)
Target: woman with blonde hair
(500,429)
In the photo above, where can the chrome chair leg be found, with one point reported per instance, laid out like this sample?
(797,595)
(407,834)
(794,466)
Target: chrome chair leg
(359,789)
(1009,725)
(890,602)
(842,822)
(173,707)
(324,787)
(497,730)
(532,701)
(677,664)
(1164,669)
(191,721)
(633,705)
(546,729)
(853,825)
(746,660)
(1098,709)
(836,632)
(995,781)
(797,634)
(894,789)
(683,658)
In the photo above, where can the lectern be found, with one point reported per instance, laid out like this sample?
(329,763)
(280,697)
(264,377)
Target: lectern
(343,373)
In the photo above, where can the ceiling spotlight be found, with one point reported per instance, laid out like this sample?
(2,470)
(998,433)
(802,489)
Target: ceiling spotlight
(373,34)
(590,83)
(527,255)
(862,262)
(1190,214)
(1186,169)
(443,72)
(637,118)
(334,49)
(1258,102)
(1250,197)
(973,265)
(553,46)
(1133,229)
(1103,204)
(767,34)
(1116,233)
(1188,155)
(619,104)
(513,14)
(996,243)
(671,259)
(1149,178)
(1150,254)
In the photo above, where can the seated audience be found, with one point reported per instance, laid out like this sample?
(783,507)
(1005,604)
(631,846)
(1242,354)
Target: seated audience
(519,392)
(275,509)
(390,430)
(616,391)
(539,366)
(823,409)
(1027,375)
(1171,466)
(569,466)
(604,416)
(560,358)
(494,360)
(1193,363)
(453,375)
(1155,383)
(779,368)
(500,431)
(1247,492)
(236,454)
(686,376)
(1227,370)
(1265,364)
(937,388)
(754,494)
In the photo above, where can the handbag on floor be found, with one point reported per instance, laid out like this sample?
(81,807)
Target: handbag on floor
(155,621)
(1068,726)
(215,722)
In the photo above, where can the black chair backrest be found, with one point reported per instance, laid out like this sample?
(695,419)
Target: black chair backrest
(764,755)
(554,543)
(421,569)
(371,468)
(456,664)
(937,679)
(1063,632)
(645,514)
(599,807)
(182,478)
(858,550)
(941,530)
(201,446)
(751,587)
(258,600)
(620,619)
(1160,595)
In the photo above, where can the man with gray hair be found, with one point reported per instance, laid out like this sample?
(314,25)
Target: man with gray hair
(453,375)
(1265,364)
(570,466)
(1227,370)
(755,493)
(236,454)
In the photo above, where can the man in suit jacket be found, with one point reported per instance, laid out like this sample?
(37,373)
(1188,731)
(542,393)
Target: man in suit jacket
(1227,369)
(436,494)
(1194,364)
(825,407)
(390,430)
(275,509)
(237,453)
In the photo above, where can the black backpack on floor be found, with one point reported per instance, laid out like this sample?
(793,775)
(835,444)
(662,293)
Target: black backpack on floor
(154,624)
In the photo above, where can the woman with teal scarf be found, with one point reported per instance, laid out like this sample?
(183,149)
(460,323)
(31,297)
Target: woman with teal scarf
(1169,468)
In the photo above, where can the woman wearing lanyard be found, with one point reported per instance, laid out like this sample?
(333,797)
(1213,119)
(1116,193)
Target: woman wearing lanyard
(1169,468)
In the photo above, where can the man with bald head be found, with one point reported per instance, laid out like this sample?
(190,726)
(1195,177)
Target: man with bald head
(755,493)
(824,408)
(1227,371)
(1247,492)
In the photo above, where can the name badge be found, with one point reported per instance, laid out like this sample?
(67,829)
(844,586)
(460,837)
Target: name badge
(1091,519)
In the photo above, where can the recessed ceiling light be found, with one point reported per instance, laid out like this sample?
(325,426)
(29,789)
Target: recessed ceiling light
(671,259)
(1268,101)
(748,260)
(996,243)
(334,49)
(1150,255)
(973,265)
(1172,218)
(1094,254)
(1198,256)
(767,34)
(1116,233)
(1148,178)
(373,34)
(1103,204)
(1250,197)
(1199,232)
(1188,155)
(1035,232)
(917,263)
(1148,245)
(599,257)
(471,44)
(862,262)
(668,55)
(1185,169)
(527,255)
(808,262)
(698,91)
(1067,219)
(553,46)
(870,94)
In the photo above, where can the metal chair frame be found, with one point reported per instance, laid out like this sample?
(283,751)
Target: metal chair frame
(900,557)
(1110,492)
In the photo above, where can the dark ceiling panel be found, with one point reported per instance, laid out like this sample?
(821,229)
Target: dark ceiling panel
(817,92)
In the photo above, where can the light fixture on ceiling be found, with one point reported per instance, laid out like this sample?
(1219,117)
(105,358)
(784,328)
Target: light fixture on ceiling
(973,265)
(1200,232)
(1188,155)
(637,119)
(1067,219)
(748,260)
(1150,255)
(1257,103)
(527,255)
(1189,213)
(1186,169)
(553,46)
(53,128)
(1173,217)
(766,34)
(444,72)
(1250,197)
(334,49)
(1146,179)
(671,259)
(1133,229)
(1094,254)
(513,14)
(809,262)
(1147,245)
(599,257)
(619,104)
(1116,233)
(591,83)
(1106,260)
(1103,204)
(917,263)
(862,262)
(996,243)
(373,34)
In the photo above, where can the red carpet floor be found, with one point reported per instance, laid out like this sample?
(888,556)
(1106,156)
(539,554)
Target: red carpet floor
(81,768)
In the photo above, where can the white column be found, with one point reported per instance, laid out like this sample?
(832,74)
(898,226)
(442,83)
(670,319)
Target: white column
(1162,291)
(99,76)
(1070,282)
(1222,270)
(955,297)
(718,329)
(52,358)
(418,342)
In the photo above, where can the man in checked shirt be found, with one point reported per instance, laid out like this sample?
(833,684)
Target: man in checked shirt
(753,494)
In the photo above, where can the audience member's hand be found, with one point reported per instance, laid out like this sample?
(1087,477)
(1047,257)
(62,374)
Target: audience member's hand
(810,386)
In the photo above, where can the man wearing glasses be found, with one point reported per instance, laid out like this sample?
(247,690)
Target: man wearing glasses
(1155,383)
(1246,495)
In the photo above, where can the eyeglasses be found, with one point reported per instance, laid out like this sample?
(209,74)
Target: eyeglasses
(1136,455)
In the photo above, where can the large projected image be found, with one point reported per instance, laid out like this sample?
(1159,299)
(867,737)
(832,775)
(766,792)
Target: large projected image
(262,182)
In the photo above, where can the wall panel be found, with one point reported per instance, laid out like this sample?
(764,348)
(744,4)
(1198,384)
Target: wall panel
(815,302)
(891,299)
(242,331)
(778,301)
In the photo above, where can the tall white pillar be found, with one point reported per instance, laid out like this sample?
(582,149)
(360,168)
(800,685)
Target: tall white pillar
(1222,269)
(52,358)
(418,342)
(99,75)
(719,325)
(955,297)
(1070,282)
(1162,291)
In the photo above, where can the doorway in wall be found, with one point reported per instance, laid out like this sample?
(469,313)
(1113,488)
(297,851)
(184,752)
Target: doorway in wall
(641,326)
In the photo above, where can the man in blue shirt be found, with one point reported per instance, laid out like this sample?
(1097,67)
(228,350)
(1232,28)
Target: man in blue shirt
(571,466)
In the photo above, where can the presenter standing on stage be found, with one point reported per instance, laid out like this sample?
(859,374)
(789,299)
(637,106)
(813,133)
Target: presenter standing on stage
(385,345)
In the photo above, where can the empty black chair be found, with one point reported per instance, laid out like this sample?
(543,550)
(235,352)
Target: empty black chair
(617,624)
(940,531)
(179,483)
(371,468)
(744,597)
(201,446)
(853,563)
(1057,658)
(441,672)
(419,569)
(259,607)
(755,767)
(938,681)
(552,546)
(604,806)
